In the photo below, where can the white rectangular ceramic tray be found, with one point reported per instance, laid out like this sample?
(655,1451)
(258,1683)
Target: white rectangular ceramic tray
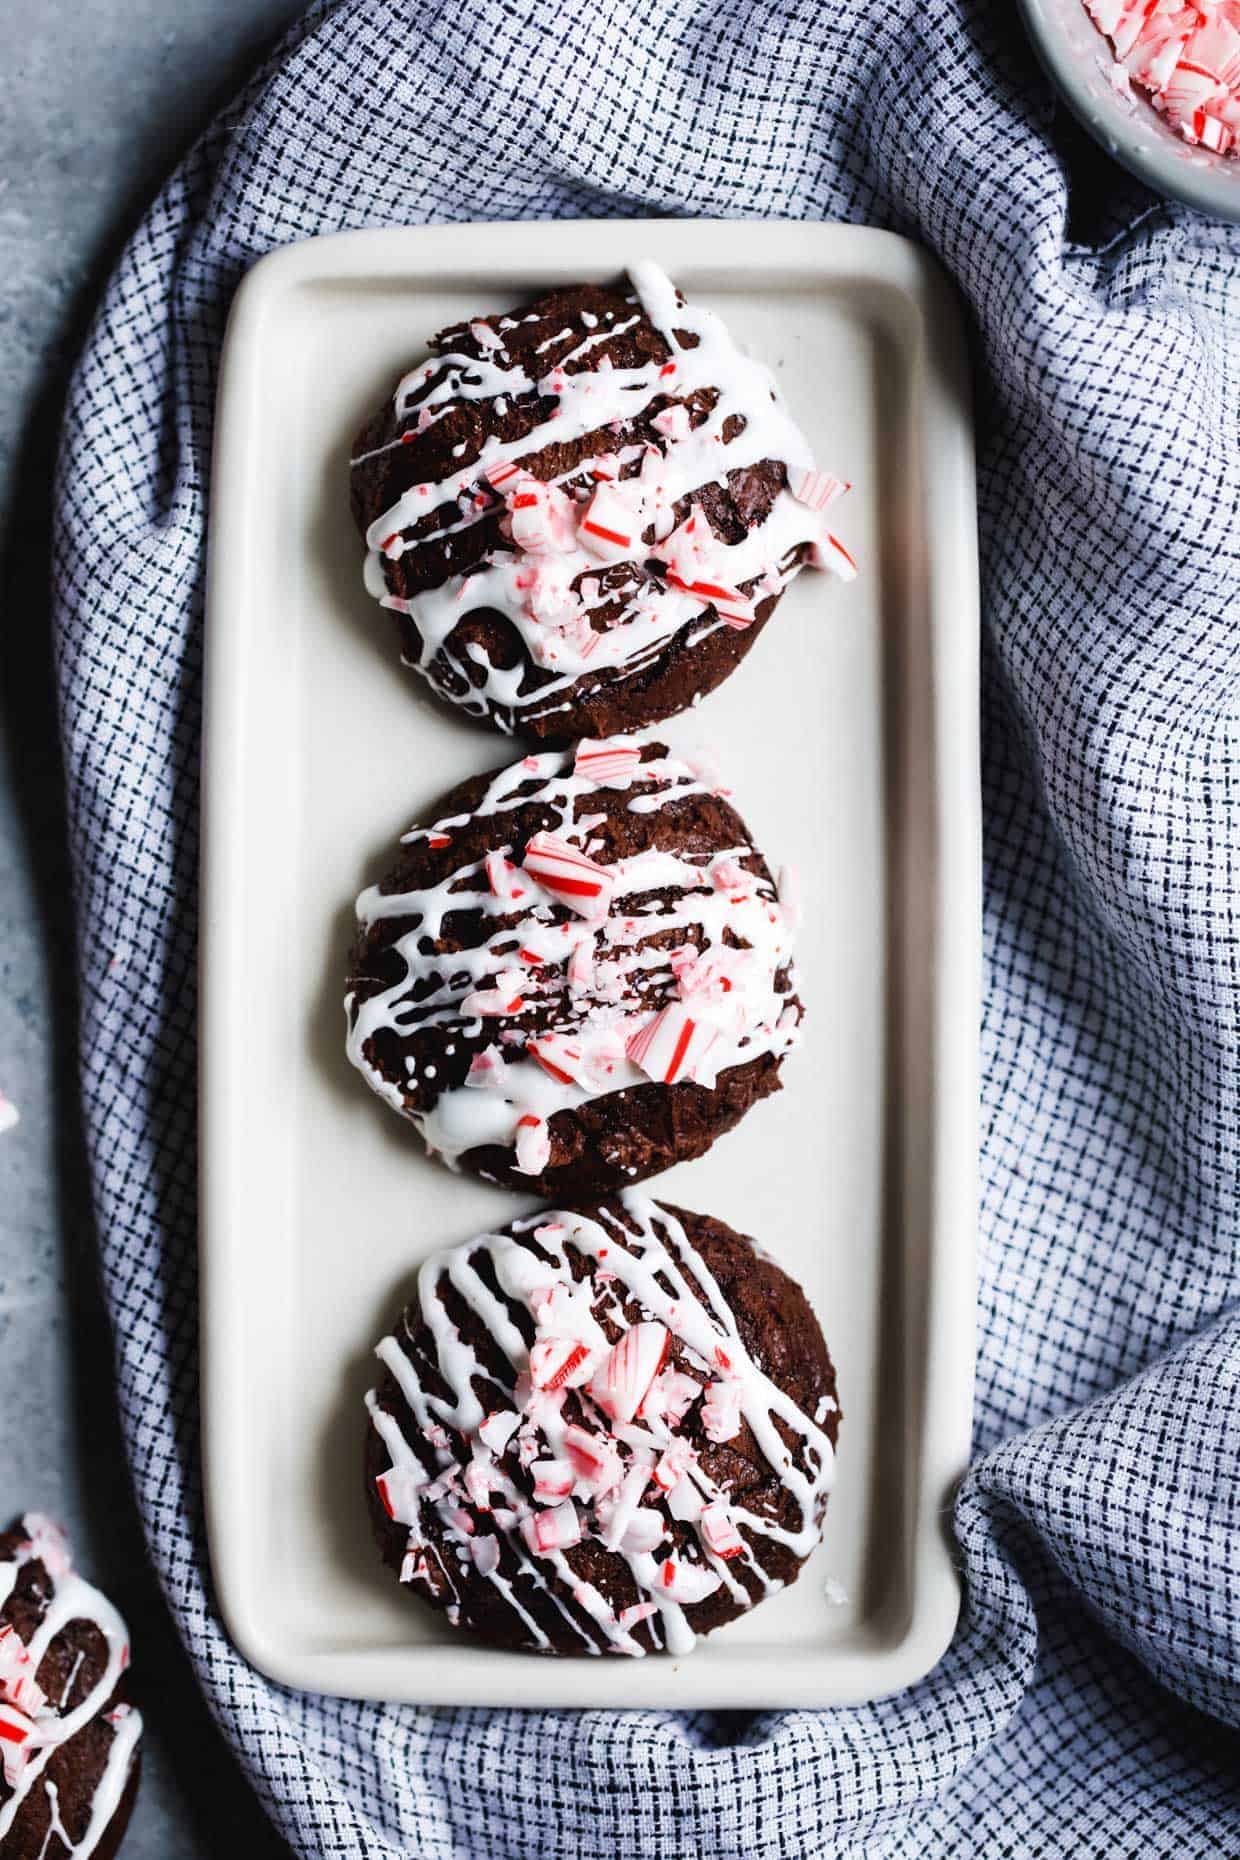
(850,738)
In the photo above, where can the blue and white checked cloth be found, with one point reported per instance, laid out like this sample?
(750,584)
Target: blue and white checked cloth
(1091,1702)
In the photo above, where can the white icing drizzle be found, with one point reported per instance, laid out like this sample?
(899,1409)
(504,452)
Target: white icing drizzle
(645,1254)
(730,921)
(71,1599)
(540,594)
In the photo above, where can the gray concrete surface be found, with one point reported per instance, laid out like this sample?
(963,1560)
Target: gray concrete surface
(101,96)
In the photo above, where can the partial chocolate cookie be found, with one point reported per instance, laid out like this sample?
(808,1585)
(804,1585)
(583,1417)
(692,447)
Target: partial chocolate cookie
(68,1735)
(582,514)
(579,974)
(605,1431)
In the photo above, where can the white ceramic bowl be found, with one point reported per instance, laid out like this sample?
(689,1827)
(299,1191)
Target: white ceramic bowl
(1078,60)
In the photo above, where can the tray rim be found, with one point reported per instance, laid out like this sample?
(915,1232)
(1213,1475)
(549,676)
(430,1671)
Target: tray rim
(808,252)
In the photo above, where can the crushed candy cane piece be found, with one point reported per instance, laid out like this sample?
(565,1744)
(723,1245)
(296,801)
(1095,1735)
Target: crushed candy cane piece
(485,1554)
(721,1410)
(553,1480)
(686,1583)
(18,1684)
(548,1531)
(671,1045)
(569,874)
(719,1531)
(608,764)
(559,1363)
(398,1490)
(673,1463)
(607,526)
(498,1429)
(533,1144)
(670,1396)
(733,607)
(503,878)
(540,516)
(630,1366)
(816,489)
(507,996)
(594,1457)
(16,1731)
(561,1057)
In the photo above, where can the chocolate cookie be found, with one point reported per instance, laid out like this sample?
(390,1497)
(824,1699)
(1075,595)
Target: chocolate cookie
(579,974)
(582,514)
(601,1431)
(68,1735)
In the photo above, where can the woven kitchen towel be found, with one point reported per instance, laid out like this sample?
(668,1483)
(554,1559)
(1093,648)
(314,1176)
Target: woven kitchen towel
(1090,1704)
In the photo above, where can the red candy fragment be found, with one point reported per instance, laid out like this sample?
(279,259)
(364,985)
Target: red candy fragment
(816,489)
(16,1730)
(719,1532)
(558,1363)
(671,1045)
(568,874)
(607,764)
(621,1380)
(607,526)
(548,1531)
(687,1583)
(733,607)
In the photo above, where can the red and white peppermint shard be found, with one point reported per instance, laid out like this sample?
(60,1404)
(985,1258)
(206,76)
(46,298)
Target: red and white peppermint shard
(831,554)
(721,1411)
(559,1363)
(548,1531)
(484,1552)
(686,1583)
(595,1459)
(607,527)
(719,1532)
(504,472)
(673,1463)
(507,997)
(18,1684)
(559,1056)
(553,1481)
(568,874)
(398,1492)
(479,1480)
(815,489)
(671,1045)
(607,764)
(620,1382)
(15,1733)
(540,516)
(533,1144)
(498,1429)
(733,607)
(503,878)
